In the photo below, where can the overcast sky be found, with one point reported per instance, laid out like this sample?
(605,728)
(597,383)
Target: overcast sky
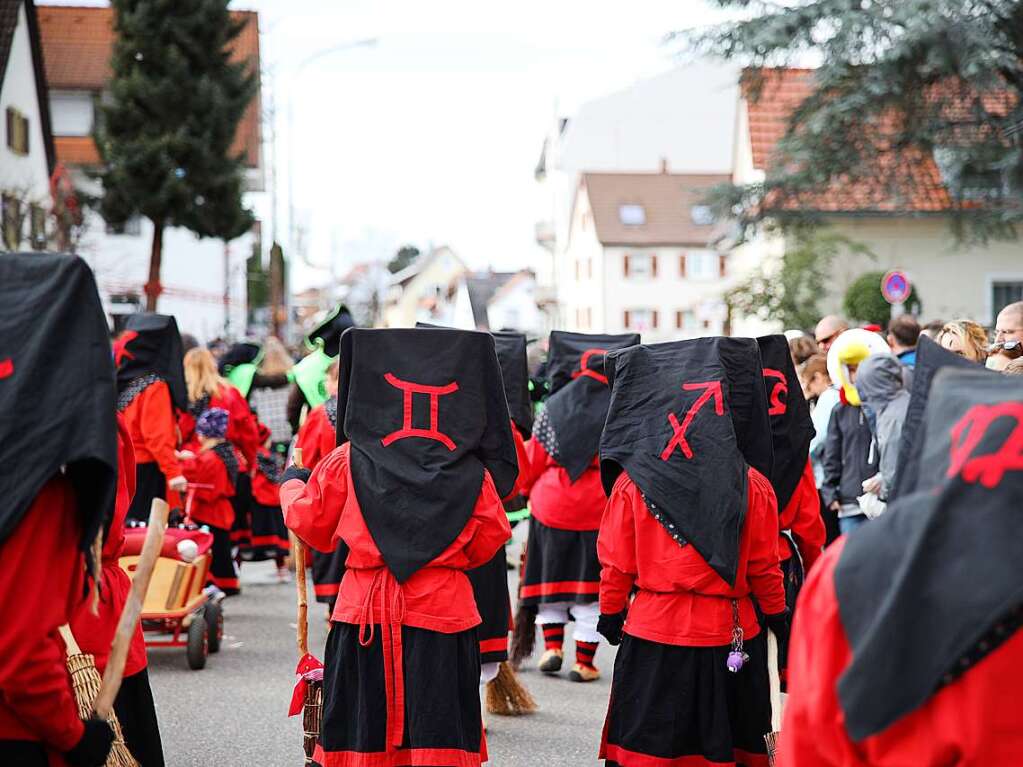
(431,136)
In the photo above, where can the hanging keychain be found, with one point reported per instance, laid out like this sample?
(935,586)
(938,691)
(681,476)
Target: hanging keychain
(736,658)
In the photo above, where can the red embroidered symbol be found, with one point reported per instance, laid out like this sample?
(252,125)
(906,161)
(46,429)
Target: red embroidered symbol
(121,346)
(6,368)
(407,430)
(586,370)
(710,389)
(781,389)
(967,434)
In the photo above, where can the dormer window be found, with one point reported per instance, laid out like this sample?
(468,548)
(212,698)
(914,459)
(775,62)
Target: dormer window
(632,215)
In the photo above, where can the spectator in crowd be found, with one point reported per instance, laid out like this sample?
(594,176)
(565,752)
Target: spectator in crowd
(881,387)
(823,397)
(802,347)
(827,330)
(903,333)
(932,329)
(966,338)
(270,390)
(1008,340)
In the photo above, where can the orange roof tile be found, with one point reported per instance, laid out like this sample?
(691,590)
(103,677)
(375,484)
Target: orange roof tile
(76,150)
(77,43)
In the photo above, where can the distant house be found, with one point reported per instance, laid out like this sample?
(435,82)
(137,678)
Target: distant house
(425,290)
(905,228)
(204,280)
(26,151)
(500,301)
(642,255)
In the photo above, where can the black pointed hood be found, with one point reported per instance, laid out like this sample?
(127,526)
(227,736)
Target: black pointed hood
(150,345)
(328,333)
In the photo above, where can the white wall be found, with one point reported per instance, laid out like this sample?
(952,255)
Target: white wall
(29,173)
(516,308)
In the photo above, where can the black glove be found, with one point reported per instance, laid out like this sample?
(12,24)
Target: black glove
(779,624)
(610,627)
(293,472)
(93,747)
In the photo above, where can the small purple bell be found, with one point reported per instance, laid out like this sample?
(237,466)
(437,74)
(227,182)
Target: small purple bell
(736,660)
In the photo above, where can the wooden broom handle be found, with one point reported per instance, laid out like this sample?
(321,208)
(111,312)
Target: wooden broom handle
(775,681)
(114,672)
(69,641)
(302,620)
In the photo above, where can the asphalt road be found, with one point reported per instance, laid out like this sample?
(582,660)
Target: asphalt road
(233,712)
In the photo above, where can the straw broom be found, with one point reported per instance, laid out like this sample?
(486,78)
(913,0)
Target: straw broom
(312,704)
(506,696)
(771,738)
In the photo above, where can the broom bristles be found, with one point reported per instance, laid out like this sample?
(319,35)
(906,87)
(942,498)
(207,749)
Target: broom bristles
(523,636)
(312,714)
(85,682)
(771,739)
(506,696)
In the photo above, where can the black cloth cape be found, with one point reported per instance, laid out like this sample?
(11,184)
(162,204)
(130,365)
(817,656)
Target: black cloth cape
(57,394)
(417,492)
(511,355)
(566,351)
(696,487)
(241,353)
(151,345)
(791,426)
(932,586)
(930,358)
(328,333)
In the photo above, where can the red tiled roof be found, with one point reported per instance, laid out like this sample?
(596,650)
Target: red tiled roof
(76,150)
(77,43)
(666,198)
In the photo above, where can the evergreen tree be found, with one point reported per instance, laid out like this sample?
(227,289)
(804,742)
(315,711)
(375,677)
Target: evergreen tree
(165,134)
(897,80)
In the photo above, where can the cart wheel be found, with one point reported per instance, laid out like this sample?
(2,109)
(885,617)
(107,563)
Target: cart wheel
(214,615)
(198,642)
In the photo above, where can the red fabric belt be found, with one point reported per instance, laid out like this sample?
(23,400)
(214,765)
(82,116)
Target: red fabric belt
(391,606)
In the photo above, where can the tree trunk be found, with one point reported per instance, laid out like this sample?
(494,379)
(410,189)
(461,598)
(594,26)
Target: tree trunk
(153,287)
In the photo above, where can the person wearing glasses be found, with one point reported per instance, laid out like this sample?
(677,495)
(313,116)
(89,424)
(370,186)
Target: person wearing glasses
(1008,337)
(827,330)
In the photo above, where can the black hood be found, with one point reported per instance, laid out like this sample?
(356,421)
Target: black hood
(573,355)
(150,345)
(426,414)
(242,353)
(57,392)
(685,420)
(328,333)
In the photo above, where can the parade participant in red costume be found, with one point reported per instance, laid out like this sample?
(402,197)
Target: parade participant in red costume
(317,437)
(94,632)
(58,444)
(907,647)
(269,535)
(562,573)
(150,392)
(691,527)
(212,474)
(415,493)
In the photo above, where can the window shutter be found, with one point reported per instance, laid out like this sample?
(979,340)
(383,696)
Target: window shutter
(653,264)
(682,266)
(653,319)
(723,264)
(625,264)
(10,128)
(627,319)
(678,319)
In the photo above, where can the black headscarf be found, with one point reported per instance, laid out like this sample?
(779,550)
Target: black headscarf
(329,331)
(572,419)
(569,355)
(685,420)
(791,427)
(149,349)
(930,358)
(930,588)
(417,482)
(241,353)
(57,391)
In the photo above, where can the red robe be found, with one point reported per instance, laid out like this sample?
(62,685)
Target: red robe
(973,721)
(242,426)
(153,428)
(316,437)
(40,589)
(210,505)
(95,633)
(522,456)
(264,491)
(555,500)
(802,518)
(680,599)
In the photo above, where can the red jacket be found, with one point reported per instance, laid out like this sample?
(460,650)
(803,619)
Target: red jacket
(522,456)
(242,426)
(95,633)
(438,597)
(802,517)
(316,437)
(554,499)
(973,722)
(680,600)
(264,491)
(153,428)
(211,505)
(40,589)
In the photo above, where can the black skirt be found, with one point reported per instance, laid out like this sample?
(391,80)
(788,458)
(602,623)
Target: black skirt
(269,535)
(671,702)
(241,530)
(223,571)
(150,483)
(328,570)
(137,713)
(561,566)
(443,725)
(490,587)
(24,753)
